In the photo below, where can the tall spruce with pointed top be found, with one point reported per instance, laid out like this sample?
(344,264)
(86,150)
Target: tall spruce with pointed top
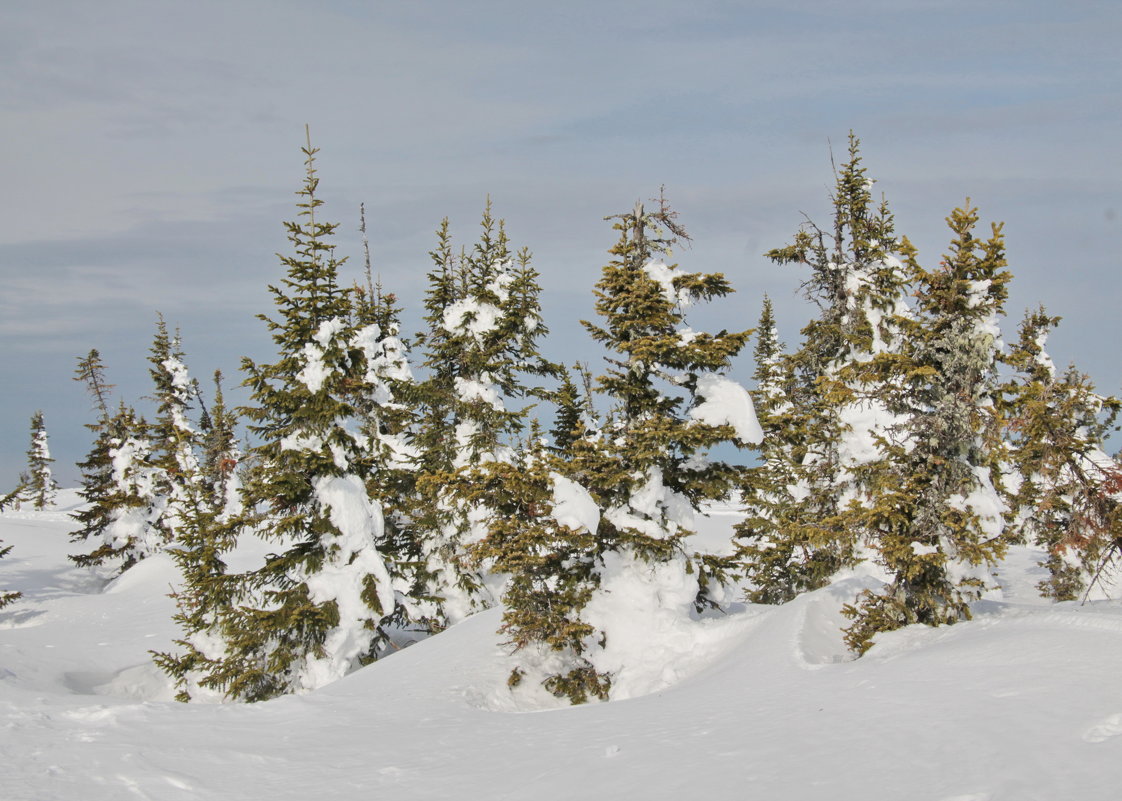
(314,610)
(773,563)
(836,418)
(41,486)
(938,519)
(385,402)
(484,322)
(671,402)
(221,452)
(1065,489)
(172,437)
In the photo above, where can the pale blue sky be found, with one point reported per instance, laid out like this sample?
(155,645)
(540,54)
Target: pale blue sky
(151,152)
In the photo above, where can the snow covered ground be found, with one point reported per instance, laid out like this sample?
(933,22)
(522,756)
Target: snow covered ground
(1021,703)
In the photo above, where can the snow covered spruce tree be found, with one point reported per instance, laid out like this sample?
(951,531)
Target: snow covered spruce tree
(542,535)
(1065,491)
(118,483)
(195,521)
(937,518)
(172,439)
(671,402)
(384,401)
(484,322)
(313,611)
(41,485)
(221,452)
(770,488)
(836,417)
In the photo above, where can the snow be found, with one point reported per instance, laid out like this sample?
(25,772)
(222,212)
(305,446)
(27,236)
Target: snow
(573,506)
(351,557)
(727,403)
(315,371)
(471,316)
(1021,703)
(484,390)
(663,275)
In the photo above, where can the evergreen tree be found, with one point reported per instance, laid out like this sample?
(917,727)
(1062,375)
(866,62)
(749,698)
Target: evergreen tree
(543,536)
(385,402)
(41,486)
(10,499)
(938,517)
(670,404)
(6,597)
(484,321)
(574,417)
(314,610)
(836,416)
(117,483)
(171,436)
(120,485)
(221,452)
(1065,488)
(777,565)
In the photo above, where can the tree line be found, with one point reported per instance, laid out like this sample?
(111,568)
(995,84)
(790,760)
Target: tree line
(901,437)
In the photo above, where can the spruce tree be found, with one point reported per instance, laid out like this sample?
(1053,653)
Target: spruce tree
(385,402)
(11,498)
(173,440)
(314,610)
(6,597)
(671,402)
(119,483)
(837,416)
(1065,488)
(221,452)
(938,518)
(41,486)
(775,564)
(484,322)
(543,536)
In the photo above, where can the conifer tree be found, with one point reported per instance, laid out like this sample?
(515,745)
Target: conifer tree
(95,468)
(385,402)
(41,486)
(543,536)
(314,610)
(120,485)
(776,567)
(484,322)
(10,499)
(837,415)
(221,452)
(938,518)
(574,417)
(173,440)
(670,403)
(6,597)
(1065,489)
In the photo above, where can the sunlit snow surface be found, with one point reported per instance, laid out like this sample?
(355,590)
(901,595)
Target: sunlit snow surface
(1022,703)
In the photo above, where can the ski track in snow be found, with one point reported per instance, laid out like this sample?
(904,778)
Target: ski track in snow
(1018,704)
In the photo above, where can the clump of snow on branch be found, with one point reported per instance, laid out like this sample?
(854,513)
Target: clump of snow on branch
(726,402)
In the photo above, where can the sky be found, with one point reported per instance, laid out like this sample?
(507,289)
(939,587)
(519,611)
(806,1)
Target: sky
(151,153)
